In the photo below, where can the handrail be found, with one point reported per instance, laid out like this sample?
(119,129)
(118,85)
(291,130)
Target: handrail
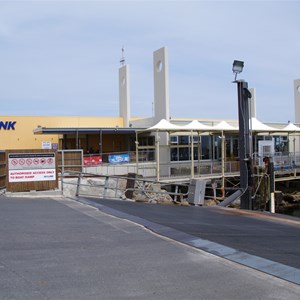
(144,186)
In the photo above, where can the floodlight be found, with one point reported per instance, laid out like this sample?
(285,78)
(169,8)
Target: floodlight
(237,67)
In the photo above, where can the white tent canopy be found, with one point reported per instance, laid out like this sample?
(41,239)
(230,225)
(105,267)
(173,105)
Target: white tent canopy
(291,128)
(254,125)
(224,126)
(197,126)
(258,126)
(164,125)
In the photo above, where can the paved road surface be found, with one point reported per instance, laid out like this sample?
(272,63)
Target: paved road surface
(62,249)
(264,241)
(274,237)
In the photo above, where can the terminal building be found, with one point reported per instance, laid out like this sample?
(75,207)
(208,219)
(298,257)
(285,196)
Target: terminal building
(124,134)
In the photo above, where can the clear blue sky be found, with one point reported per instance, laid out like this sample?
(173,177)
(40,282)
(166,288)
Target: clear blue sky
(62,57)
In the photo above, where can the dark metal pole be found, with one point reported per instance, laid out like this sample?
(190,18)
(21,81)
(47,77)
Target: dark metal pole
(272,178)
(244,143)
(100,142)
(77,141)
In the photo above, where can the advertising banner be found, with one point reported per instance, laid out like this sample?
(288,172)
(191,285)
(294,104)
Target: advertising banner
(118,158)
(26,167)
(92,160)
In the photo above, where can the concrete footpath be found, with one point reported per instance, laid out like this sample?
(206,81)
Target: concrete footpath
(56,248)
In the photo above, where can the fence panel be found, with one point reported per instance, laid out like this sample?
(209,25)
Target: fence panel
(2,169)
(70,160)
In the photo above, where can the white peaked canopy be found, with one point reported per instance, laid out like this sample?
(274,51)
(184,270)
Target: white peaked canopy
(164,125)
(224,126)
(291,128)
(258,126)
(254,125)
(197,126)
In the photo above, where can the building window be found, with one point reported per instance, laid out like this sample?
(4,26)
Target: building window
(281,144)
(183,140)
(206,142)
(179,151)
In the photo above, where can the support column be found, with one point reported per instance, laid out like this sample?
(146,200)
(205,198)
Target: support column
(192,155)
(223,164)
(161,85)
(157,157)
(244,142)
(124,95)
(297,110)
(161,105)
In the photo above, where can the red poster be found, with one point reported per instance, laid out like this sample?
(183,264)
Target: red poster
(92,160)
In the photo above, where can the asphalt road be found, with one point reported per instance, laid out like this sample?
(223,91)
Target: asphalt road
(63,249)
(274,237)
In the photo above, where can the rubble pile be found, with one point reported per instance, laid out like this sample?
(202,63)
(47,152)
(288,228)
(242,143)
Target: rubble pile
(152,193)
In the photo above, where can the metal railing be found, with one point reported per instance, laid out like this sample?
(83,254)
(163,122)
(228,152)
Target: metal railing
(173,169)
(282,161)
(203,168)
(103,186)
(177,169)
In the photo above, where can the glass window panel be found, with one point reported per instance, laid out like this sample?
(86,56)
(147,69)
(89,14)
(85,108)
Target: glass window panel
(183,154)
(174,154)
(183,140)
(174,140)
(205,147)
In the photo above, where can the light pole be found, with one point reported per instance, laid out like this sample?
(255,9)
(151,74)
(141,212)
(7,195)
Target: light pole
(244,136)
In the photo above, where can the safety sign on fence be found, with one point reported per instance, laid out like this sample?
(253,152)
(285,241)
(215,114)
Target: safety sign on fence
(24,167)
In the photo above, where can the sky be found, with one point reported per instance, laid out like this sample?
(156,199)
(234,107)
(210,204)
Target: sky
(62,58)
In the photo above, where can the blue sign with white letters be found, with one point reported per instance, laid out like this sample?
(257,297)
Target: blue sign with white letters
(118,158)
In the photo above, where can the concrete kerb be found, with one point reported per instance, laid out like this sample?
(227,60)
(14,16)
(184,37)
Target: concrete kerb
(35,194)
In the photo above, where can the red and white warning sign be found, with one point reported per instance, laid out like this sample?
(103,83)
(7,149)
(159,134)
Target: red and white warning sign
(32,175)
(24,167)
